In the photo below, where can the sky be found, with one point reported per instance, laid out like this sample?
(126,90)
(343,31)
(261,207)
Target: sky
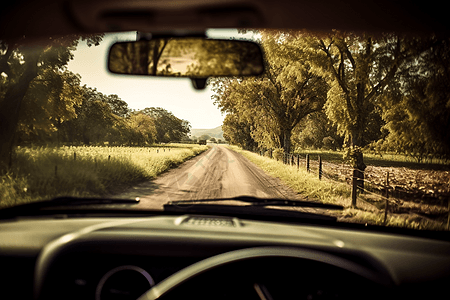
(173,94)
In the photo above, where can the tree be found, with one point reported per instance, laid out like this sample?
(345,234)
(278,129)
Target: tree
(316,131)
(238,132)
(95,119)
(205,137)
(276,102)
(118,106)
(144,129)
(412,108)
(49,102)
(21,63)
(168,127)
(359,68)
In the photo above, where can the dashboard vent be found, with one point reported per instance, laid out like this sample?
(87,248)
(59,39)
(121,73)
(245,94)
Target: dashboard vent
(210,221)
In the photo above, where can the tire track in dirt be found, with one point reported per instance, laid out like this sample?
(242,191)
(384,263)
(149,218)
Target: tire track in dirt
(217,173)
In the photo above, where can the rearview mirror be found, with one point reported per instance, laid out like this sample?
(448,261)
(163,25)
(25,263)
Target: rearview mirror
(191,57)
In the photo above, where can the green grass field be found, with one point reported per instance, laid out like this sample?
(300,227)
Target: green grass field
(44,173)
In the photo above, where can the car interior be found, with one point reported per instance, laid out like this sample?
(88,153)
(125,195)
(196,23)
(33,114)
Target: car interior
(101,254)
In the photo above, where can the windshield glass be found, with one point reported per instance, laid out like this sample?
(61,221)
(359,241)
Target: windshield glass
(354,120)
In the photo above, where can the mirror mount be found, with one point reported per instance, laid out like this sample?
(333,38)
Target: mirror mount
(199,83)
(146,36)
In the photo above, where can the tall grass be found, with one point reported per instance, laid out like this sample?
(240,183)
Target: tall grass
(328,191)
(44,173)
(300,180)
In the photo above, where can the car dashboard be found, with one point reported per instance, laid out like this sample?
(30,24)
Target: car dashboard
(123,257)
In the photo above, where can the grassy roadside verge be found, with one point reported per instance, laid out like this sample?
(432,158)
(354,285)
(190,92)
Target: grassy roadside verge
(44,173)
(328,191)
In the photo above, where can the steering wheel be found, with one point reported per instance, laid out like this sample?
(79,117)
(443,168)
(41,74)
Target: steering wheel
(212,263)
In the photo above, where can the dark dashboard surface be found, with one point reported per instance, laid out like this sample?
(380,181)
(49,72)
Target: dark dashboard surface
(110,258)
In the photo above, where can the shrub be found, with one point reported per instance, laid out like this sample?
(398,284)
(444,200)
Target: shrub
(278,154)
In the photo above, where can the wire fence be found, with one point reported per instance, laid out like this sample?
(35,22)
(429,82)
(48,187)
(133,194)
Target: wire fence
(357,179)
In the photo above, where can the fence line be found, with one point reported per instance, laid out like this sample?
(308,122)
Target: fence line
(358,183)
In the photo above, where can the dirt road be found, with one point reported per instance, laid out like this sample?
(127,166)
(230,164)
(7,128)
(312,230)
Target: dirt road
(217,173)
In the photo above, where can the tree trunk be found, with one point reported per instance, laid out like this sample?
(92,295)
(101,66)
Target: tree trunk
(358,157)
(10,108)
(287,140)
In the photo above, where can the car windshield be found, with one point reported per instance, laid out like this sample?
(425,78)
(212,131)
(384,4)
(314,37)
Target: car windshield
(356,120)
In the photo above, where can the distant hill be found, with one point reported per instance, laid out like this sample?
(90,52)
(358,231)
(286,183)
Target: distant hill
(214,132)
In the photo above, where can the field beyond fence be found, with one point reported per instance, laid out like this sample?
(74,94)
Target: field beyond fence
(44,173)
(394,192)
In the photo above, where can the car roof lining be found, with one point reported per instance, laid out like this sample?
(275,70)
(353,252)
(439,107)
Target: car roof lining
(60,17)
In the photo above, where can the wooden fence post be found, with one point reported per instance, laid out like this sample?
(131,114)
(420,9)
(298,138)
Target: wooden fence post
(320,168)
(298,161)
(387,196)
(74,155)
(307,163)
(448,218)
(354,187)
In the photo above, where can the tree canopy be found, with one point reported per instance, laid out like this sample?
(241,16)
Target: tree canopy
(30,70)
(343,89)
(277,101)
(42,102)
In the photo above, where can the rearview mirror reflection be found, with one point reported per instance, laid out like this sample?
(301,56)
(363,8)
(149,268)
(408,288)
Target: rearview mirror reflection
(186,57)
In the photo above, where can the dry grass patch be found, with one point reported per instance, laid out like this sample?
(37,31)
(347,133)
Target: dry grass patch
(370,207)
(45,173)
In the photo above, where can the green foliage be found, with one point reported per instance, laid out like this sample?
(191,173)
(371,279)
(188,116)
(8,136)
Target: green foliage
(204,137)
(57,110)
(384,92)
(237,131)
(142,129)
(358,69)
(315,131)
(276,102)
(278,154)
(417,113)
(35,72)
(168,127)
